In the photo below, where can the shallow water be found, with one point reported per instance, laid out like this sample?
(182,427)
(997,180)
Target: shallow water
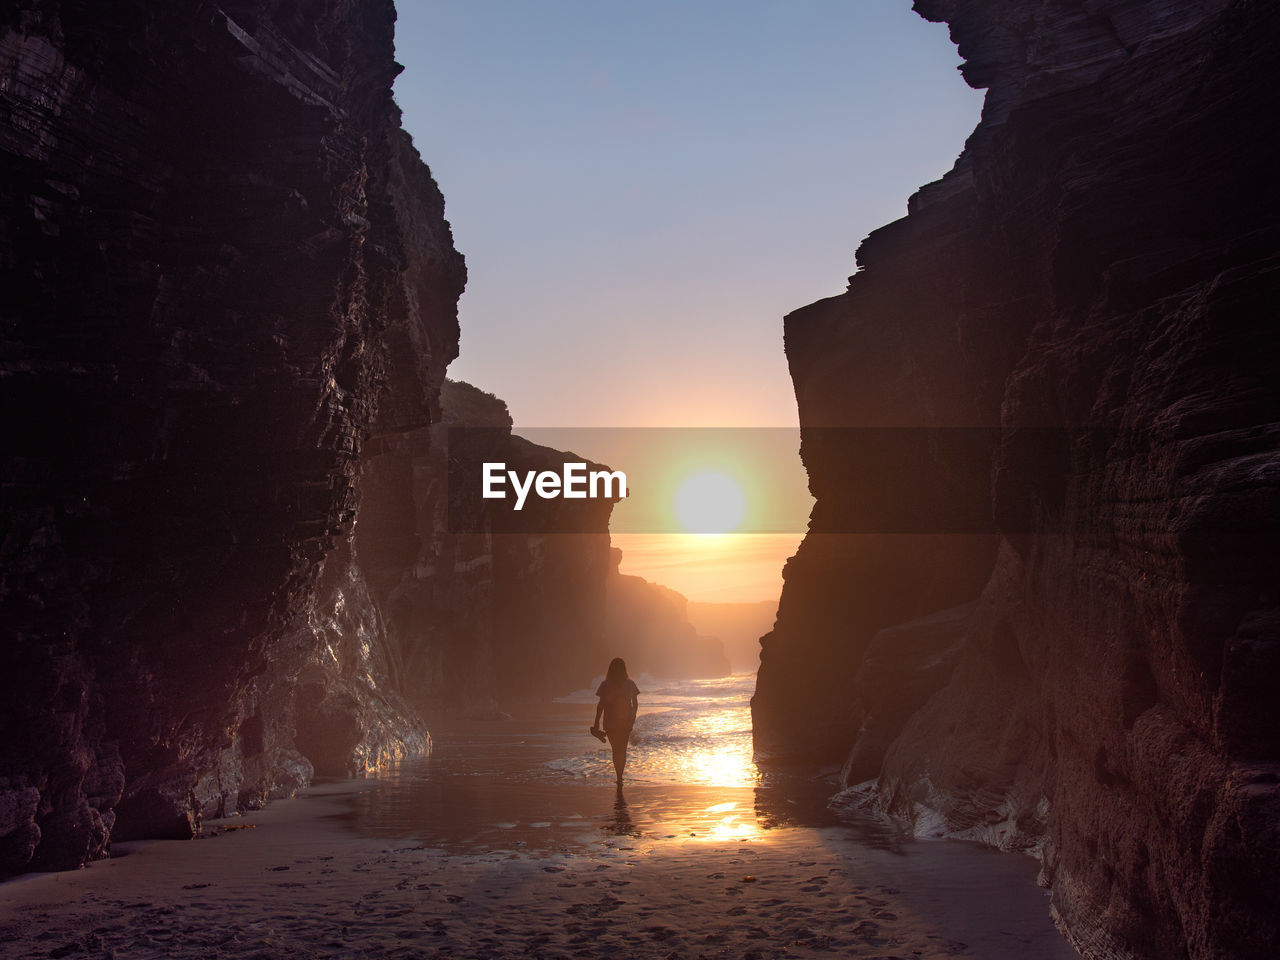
(539,786)
(539,781)
(687,732)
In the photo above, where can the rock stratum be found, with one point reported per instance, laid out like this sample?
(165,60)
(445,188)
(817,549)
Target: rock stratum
(228,301)
(1068,344)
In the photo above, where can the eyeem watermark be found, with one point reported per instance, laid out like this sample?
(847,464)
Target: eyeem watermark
(573,482)
(865,480)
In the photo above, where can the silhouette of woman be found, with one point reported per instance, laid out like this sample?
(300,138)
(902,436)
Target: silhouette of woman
(618,704)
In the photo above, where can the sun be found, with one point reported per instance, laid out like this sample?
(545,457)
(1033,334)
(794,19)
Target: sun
(710,502)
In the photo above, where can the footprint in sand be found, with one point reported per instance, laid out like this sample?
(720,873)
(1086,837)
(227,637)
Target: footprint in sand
(866,931)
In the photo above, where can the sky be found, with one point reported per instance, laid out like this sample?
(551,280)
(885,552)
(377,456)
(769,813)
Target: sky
(643,191)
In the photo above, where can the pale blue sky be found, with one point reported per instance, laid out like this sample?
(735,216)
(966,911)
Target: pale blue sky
(642,190)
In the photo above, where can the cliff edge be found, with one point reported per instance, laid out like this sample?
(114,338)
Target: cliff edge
(225,271)
(1067,343)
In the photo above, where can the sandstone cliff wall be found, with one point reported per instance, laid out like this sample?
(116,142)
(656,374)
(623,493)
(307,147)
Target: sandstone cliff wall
(1085,668)
(224,269)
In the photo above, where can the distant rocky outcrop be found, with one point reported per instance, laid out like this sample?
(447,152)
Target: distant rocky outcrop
(738,625)
(225,272)
(648,625)
(1077,655)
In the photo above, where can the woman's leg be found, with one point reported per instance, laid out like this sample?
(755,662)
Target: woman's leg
(618,740)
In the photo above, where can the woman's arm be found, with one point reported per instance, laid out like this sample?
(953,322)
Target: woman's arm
(595,724)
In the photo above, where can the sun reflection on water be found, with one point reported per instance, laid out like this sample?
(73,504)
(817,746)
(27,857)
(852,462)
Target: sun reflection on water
(723,766)
(716,752)
(725,824)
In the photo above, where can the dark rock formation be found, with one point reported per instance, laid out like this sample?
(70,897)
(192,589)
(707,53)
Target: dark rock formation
(481,612)
(648,625)
(224,269)
(1090,287)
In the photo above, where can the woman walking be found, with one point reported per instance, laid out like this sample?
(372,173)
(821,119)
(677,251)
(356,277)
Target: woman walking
(618,704)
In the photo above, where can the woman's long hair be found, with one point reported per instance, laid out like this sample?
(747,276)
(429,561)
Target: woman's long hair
(617,670)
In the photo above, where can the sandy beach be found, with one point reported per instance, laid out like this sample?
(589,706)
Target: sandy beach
(486,850)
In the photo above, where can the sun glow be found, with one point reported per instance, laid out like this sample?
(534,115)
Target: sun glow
(710,501)
(725,767)
(733,568)
(716,757)
(726,823)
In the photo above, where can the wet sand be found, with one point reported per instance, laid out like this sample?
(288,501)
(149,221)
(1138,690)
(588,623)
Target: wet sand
(466,856)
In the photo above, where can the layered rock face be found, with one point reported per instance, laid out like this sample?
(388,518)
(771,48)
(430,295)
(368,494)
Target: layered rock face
(225,269)
(1077,656)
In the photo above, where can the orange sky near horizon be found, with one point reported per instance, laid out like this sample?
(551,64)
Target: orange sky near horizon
(763,472)
(711,568)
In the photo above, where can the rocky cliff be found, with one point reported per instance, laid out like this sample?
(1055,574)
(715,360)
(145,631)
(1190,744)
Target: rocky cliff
(484,605)
(226,273)
(648,625)
(1038,604)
